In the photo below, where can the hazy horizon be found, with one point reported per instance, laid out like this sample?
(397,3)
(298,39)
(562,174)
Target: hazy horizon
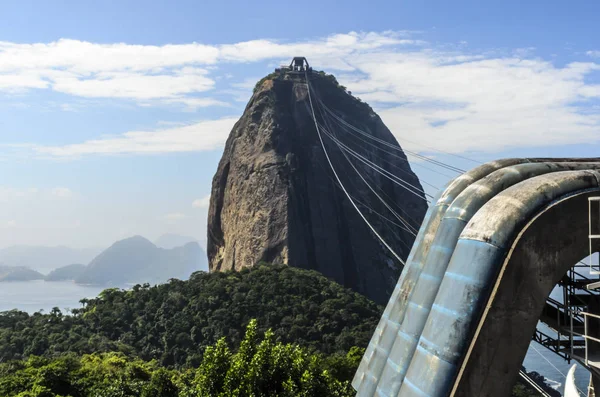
(202,243)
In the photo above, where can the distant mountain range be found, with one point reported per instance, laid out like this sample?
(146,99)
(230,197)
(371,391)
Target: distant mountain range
(132,260)
(45,259)
(137,260)
(171,240)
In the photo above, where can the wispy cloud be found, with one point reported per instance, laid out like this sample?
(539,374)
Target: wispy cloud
(8,193)
(593,54)
(174,217)
(62,192)
(247,84)
(192,103)
(201,202)
(200,136)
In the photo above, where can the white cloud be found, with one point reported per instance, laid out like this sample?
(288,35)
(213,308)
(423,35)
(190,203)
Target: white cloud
(329,47)
(11,223)
(193,103)
(487,105)
(200,136)
(201,202)
(136,85)
(174,217)
(247,84)
(593,54)
(8,194)
(67,107)
(85,58)
(62,192)
(143,72)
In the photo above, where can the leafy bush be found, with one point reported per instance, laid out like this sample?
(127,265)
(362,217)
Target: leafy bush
(260,367)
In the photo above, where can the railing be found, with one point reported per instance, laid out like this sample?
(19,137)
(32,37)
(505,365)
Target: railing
(591,236)
(586,336)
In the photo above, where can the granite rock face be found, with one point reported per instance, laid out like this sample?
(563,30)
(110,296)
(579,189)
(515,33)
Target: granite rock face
(275,199)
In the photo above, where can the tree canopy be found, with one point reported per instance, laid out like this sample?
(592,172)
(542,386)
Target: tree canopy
(173,323)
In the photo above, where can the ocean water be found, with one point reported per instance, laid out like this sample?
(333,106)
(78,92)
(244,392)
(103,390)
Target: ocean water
(32,296)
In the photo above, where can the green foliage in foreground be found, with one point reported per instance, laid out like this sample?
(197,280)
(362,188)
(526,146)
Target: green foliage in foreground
(174,322)
(260,367)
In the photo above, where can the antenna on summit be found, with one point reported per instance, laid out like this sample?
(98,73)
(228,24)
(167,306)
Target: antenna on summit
(299,65)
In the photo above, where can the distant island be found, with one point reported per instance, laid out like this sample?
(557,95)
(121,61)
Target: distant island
(19,273)
(66,273)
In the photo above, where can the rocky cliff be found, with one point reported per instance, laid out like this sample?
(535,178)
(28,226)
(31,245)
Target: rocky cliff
(275,199)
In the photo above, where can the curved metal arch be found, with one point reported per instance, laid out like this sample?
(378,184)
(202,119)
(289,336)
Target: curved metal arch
(433,373)
(462,209)
(543,252)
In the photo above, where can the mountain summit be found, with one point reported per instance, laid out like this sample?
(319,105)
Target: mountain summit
(275,198)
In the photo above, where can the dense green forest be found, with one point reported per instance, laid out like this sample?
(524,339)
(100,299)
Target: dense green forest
(173,323)
(304,336)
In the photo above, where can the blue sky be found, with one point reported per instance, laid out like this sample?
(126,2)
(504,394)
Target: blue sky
(113,115)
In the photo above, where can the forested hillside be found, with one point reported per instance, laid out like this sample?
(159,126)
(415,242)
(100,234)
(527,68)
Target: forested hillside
(186,338)
(174,322)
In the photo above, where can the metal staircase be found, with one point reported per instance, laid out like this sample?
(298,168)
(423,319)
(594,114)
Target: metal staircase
(566,318)
(570,319)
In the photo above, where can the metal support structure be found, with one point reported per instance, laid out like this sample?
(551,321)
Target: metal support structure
(587,338)
(571,320)
(593,236)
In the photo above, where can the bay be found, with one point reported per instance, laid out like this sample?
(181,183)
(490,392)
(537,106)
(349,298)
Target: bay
(33,296)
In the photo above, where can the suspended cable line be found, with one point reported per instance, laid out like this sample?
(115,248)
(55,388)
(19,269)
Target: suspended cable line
(415,224)
(338,178)
(441,151)
(391,154)
(402,220)
(386,219)
(388,144)
(343,124)
(399,181)
(406,225)
(372,210)
(396,155)
(439,163)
